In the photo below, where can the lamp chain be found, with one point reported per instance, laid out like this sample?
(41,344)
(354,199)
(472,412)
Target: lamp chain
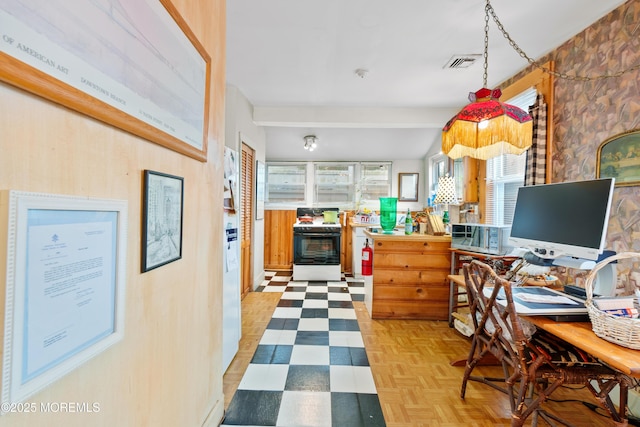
(514,45)
(486,45)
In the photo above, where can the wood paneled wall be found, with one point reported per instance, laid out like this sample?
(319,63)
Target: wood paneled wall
(167,370)
(278,239)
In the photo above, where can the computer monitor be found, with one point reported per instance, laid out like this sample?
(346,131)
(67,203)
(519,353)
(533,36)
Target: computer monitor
(567,219)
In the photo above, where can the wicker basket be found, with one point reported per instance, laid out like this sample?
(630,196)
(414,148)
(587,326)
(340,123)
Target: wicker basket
(624,331)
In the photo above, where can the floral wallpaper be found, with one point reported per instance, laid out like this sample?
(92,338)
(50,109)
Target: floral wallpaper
(587,112)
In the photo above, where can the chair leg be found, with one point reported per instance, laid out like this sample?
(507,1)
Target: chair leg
(604,398)
(472,360)
(519,405)
(624,394)
(528,405)
(490,381)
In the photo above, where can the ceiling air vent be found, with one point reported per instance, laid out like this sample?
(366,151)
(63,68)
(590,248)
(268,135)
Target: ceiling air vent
(462,61)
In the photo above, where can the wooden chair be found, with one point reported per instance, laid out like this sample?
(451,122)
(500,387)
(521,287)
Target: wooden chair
(533,366)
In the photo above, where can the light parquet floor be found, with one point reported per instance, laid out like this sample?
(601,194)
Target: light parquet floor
(410,361)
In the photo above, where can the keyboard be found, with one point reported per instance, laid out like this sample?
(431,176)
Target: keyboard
(576,291)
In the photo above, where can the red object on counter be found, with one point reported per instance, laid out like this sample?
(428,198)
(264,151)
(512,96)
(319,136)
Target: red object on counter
(367,259)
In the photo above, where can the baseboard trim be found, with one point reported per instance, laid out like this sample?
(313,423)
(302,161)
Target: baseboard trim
(215,416)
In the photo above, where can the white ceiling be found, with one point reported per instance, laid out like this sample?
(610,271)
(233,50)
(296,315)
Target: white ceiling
(296,62)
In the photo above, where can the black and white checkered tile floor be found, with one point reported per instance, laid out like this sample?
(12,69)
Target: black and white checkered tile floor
(310,367)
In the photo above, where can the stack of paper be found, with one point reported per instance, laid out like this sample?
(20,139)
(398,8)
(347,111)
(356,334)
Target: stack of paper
(621,306)
(545,299)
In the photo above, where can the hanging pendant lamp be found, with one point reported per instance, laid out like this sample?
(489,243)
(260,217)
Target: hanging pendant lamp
(486,127)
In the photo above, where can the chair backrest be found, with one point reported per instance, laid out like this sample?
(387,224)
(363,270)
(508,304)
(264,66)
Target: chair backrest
(496,323)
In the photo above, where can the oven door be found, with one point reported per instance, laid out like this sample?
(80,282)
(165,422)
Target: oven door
(316,248)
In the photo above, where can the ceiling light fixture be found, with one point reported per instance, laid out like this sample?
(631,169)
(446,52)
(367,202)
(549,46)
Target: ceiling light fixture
(310,142)
(486,127)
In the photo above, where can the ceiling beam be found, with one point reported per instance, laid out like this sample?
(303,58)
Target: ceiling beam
(353,117)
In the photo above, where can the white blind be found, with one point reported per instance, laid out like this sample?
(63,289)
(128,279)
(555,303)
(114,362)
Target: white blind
(505,174)
(286,183)
(375,181)
(335,184)
(524,99)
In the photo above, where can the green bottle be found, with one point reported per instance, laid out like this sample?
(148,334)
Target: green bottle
(445,221)
(408,223)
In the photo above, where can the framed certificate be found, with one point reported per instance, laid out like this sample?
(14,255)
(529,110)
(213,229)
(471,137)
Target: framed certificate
(65,286)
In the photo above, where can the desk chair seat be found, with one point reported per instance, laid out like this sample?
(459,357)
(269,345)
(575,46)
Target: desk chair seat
(534,364)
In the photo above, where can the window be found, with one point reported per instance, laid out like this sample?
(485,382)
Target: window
(439,167)
(335,184)
(375,182)
(505,174)
(346,185)
(286,183)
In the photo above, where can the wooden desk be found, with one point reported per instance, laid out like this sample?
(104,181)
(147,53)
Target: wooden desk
(581,335)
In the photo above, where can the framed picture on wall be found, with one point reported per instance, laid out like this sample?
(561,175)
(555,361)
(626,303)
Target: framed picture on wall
(162,219)
(619,157)
(407,187)
(65,287)
(138,67)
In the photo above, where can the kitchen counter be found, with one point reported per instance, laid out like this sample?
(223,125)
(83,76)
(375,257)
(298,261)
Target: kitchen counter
(409,278)
(398,234)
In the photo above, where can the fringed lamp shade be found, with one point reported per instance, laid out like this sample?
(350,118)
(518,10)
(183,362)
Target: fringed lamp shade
(487,128)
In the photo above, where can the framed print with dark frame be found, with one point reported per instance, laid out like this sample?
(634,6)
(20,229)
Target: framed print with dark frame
(139,66)
(408,187)
(162,219)
(619,157)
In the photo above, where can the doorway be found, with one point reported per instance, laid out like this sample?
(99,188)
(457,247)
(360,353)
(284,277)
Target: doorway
(246,218)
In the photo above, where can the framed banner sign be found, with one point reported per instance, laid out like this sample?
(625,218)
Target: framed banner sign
(65,293)
(138,66)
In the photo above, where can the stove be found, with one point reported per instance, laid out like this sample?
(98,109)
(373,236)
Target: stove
(316,246)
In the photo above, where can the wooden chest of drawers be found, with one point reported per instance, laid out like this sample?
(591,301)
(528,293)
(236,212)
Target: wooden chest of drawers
(410,277)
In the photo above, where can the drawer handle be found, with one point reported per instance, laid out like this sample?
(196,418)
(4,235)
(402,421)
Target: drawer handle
(419,290)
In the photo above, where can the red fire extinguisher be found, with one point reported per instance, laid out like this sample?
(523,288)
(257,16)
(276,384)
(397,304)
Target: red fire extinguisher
(367,259)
